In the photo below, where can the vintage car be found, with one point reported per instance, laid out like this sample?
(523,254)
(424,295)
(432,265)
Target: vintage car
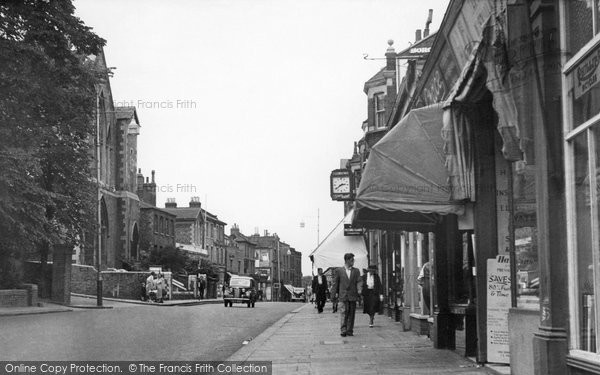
(241,289)
(295,294)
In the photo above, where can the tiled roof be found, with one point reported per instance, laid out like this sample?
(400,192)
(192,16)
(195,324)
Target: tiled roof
(239,237)
(213,217)
(186,213)
(126,113)
(144,205)
(377,76)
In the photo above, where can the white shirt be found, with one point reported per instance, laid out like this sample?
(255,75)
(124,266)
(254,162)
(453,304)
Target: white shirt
(348,271)
(370,281)
(319,279)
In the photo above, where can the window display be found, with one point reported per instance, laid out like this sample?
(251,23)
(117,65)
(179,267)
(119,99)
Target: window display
(585,271)
(525,234)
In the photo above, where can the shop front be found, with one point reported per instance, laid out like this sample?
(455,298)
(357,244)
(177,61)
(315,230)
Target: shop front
(496,240)
(404,192)
(581,119)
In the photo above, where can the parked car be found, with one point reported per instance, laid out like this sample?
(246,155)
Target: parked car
(241,289)
(298,295)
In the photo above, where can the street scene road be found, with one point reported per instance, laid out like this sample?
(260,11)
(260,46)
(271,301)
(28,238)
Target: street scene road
(137,332)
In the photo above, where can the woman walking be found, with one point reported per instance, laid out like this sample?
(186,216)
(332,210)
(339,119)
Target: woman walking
(371,292)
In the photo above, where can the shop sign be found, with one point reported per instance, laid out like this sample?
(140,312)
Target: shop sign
(498,303)
(350,231)
(586,74)
(435,90)
(263,258)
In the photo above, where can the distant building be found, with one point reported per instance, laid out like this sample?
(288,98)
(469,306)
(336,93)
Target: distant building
(157,226)
(214,242)
(189,227)
(243,261)
(276,263)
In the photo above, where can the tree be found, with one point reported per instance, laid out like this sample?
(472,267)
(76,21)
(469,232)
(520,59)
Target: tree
(47,110)
(170,258)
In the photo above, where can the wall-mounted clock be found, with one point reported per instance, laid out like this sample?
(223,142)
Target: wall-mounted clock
(341,185)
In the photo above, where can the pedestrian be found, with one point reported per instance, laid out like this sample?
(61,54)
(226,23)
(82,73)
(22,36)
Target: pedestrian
(150,285)
(160,287)
(334,300)
(143,294)
(424,281)
(360,300)
(347,285)
(201,285)
(319,287)
(371,293)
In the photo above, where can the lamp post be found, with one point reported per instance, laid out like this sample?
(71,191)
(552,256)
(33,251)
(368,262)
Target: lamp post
(278,268)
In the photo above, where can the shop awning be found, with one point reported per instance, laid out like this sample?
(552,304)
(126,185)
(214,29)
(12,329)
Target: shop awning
(406,179)
(289,288)
(330,252)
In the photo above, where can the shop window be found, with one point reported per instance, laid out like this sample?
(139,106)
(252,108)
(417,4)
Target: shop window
(583,22)
(585,254)
(585,95)
(525,236)
(583,108)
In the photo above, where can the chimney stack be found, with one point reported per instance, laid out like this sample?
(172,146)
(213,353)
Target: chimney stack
(171,203)
(153,176)
(427,23)
(140,179)
(390,56)
(417,35)
(195,202)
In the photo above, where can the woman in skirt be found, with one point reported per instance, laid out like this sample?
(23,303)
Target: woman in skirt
(372,293)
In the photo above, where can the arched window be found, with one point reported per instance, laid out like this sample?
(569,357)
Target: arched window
(155,223)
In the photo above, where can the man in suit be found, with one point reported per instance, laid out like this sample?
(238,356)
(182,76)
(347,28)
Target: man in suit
(319,287)
(347,286)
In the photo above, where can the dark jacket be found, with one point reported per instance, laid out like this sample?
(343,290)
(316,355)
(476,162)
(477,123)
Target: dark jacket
(319,290)
(348,289)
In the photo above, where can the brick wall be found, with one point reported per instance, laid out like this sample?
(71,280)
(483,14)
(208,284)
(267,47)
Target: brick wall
(83,279)
(126,285)
(13,298)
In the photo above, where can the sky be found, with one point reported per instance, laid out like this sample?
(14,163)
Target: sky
(250,104)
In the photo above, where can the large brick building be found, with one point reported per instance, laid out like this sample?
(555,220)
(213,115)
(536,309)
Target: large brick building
(242,257)
(157,226)
(189,227)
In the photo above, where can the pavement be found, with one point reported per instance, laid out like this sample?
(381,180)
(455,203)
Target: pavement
(305,342)
(82,301)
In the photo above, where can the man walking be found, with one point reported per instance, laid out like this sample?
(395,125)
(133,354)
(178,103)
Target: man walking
(319,287)
(347,285)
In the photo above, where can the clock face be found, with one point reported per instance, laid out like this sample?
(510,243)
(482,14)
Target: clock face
(341,185)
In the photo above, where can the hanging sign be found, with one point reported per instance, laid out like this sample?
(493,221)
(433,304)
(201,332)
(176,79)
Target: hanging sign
(498,303)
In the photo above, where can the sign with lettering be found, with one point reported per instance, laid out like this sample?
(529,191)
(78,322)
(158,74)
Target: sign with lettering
(498,303)
(585,75)
(350,231)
